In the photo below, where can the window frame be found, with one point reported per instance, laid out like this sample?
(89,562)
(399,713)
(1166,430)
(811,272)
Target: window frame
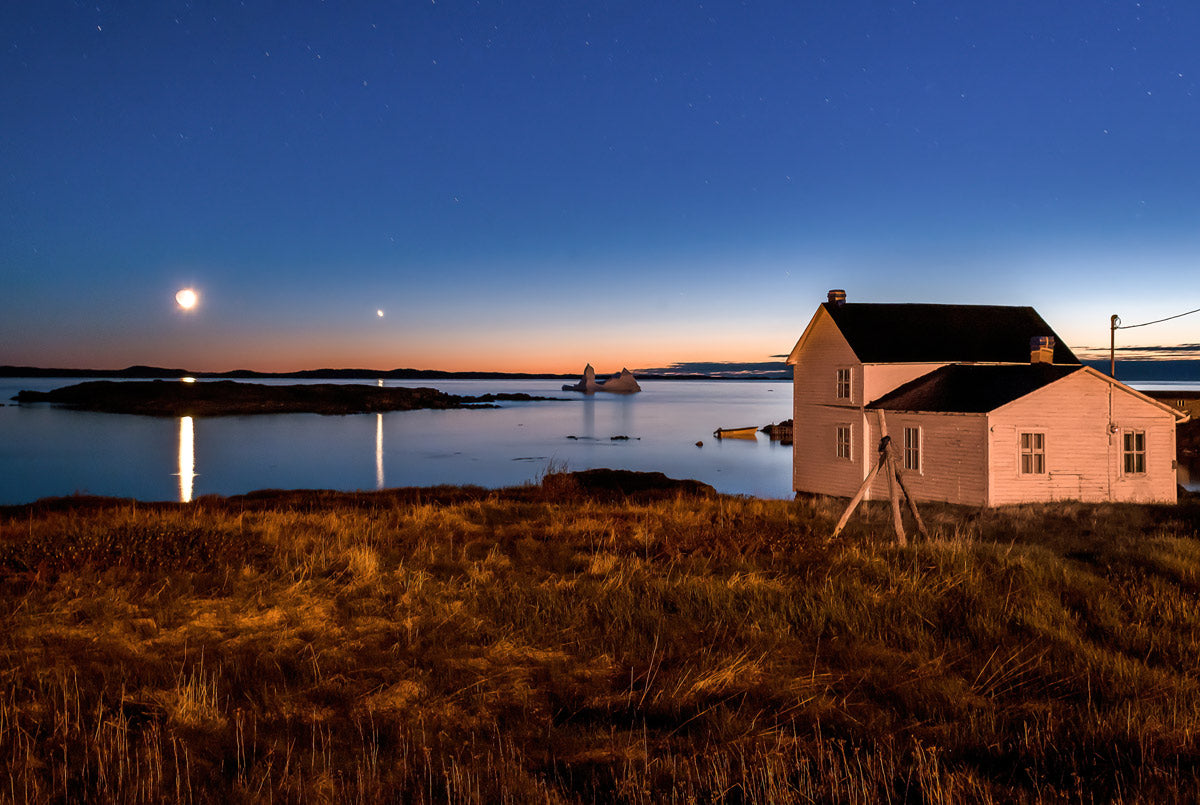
(1035,452)
(911,450)
(844,381)
(1137,453)
(843,448)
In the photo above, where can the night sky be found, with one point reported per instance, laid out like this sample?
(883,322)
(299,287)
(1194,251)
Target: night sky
(528,186)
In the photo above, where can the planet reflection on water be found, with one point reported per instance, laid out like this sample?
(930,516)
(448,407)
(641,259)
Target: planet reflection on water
(187,459)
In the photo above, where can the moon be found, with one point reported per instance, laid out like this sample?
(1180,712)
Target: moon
(187,298)
(379,313)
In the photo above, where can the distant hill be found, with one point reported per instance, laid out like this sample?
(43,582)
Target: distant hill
(727,370)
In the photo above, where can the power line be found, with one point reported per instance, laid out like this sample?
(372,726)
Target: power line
(1115,324)
(1156,321)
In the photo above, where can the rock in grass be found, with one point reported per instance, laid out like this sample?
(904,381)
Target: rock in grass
(606,484)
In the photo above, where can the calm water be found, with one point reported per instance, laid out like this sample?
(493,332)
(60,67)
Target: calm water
(46,451)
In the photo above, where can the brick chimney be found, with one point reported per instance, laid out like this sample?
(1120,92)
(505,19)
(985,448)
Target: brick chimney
(1041,349)
(837,297)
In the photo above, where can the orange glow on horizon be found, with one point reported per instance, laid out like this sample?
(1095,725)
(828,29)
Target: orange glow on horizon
(285,361)
(544,351)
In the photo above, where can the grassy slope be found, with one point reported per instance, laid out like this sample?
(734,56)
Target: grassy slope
(543,645)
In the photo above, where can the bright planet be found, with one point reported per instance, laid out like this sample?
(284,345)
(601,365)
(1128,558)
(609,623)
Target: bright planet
(187,298)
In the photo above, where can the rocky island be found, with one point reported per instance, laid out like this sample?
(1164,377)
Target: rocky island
(228,397)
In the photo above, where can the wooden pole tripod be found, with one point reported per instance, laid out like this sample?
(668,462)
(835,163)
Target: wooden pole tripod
(886,459)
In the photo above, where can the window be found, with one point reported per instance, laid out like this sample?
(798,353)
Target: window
(843,384)
(1133,451)
(1033,453)
(912,449)
(843,441)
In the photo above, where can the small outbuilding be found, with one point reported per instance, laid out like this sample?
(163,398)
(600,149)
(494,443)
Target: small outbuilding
(984,405)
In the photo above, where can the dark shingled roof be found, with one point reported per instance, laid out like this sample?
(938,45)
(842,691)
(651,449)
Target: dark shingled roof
(885,333)
(971,389)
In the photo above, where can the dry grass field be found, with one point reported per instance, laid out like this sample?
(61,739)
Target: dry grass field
(555,644)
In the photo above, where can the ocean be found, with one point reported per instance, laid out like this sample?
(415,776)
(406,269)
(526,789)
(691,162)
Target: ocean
(668,427)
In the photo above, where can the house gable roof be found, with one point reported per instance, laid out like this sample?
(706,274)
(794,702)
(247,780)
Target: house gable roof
(1180,416)
(978,389)
(794,355)
(921,333)
(971,389)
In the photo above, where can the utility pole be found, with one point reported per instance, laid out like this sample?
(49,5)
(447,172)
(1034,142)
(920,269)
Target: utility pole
(1113,324)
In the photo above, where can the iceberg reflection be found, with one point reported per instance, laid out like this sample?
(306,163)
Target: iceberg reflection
(187,459)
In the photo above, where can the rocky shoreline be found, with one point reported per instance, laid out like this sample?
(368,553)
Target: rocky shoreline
(228,398)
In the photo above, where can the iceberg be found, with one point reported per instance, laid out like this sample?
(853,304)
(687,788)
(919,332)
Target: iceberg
(623,382)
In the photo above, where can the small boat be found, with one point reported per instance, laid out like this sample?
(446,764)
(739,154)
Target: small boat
(748,432)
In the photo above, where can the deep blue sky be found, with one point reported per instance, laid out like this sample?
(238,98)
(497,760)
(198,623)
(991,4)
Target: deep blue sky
(524,185)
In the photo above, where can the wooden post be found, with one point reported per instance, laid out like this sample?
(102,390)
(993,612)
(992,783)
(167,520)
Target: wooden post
(862,490)
(897,521)
(887,463)
(912,506)
(885,456)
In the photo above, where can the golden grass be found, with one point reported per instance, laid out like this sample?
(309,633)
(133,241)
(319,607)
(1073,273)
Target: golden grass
(541,645)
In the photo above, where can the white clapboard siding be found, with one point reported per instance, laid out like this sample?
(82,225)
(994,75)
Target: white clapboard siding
(815,372)
(817,412)
(953,456)
(880,378)
(1084,458)
(816,465)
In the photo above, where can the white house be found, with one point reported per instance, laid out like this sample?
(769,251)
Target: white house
(984,404)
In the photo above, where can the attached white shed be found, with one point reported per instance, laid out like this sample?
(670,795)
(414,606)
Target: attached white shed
(994,435)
